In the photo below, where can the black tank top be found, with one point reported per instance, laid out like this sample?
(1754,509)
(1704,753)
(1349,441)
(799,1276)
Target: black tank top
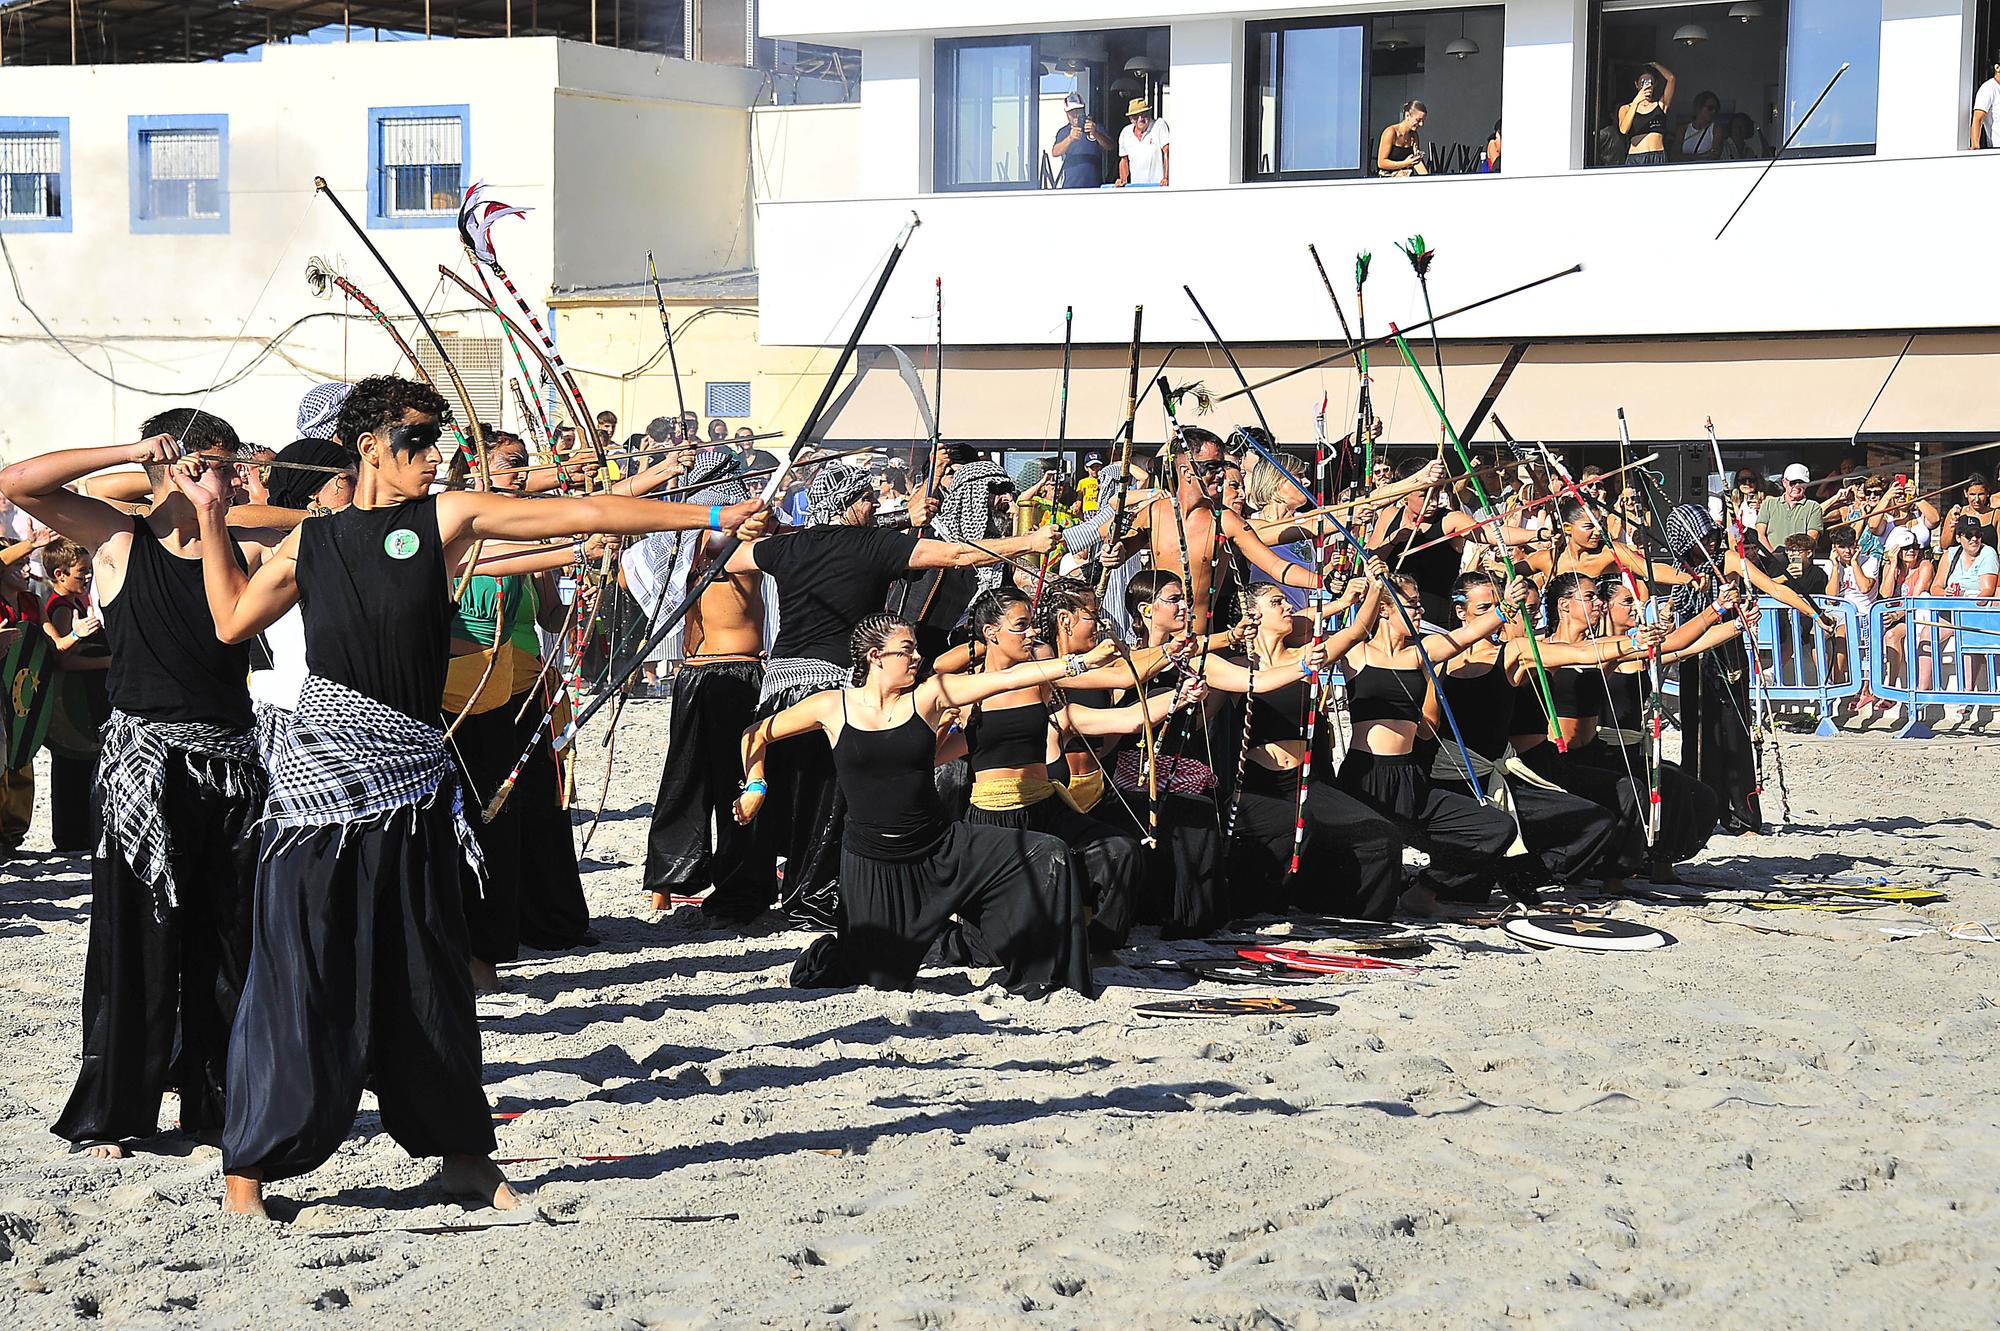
(893,810)
(1484,706)
(1098,699)
(166,662)
(1378,693)
(1576,691)
(376,605)
(1275,716)
(1624,704)
(1007,737)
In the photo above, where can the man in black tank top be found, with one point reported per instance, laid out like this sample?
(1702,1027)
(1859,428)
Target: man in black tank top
(360,971)
(178,791)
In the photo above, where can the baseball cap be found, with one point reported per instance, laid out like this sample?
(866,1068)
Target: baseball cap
(1072,102)
(1797,472)
(1901,537)
(1968,526)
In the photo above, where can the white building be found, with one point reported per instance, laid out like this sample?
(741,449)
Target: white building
(159,219)
(1876,226)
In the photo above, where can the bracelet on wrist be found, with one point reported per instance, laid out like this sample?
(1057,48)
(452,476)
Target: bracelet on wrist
(715,517)
(757,786)
(1073,665)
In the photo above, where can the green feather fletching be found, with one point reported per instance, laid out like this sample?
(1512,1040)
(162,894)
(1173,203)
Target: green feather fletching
(1361,262)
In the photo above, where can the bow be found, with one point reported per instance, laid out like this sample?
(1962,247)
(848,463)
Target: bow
(1115,534)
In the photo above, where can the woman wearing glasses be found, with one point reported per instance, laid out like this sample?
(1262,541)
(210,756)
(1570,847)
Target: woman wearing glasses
(905,868)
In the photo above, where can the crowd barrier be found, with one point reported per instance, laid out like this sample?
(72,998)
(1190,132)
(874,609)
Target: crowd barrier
(1948,654)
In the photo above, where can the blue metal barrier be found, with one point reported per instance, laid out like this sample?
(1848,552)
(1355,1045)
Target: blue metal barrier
(1955,636)
(1796,666)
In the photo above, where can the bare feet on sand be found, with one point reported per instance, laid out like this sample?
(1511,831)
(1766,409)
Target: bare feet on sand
(477,1177)
(485,977)
(106,1151)
(243,1194)
(660,901)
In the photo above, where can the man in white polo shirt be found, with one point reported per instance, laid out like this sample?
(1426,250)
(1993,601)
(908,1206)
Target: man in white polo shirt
(1142,147)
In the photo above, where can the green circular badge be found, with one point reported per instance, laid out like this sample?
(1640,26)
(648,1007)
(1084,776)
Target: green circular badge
(401,543)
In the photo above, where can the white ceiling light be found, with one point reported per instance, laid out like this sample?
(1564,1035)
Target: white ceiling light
(1746,11)
(1692,34)
(1462,47)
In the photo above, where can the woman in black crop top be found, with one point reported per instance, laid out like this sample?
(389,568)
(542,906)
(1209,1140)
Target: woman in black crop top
(905,870)
(1389,702)
(1345,851)
(1643,120)
(1008,738)
(1562,837)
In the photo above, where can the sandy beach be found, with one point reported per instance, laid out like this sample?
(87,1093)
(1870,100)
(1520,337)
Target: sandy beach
(1788,1119)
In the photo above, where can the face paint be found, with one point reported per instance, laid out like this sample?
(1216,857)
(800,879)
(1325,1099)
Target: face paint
(411,440)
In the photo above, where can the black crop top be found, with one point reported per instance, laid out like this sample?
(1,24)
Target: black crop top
(893,810)
(1576,691)
(1624,702)
(1648,122)
(1484,706)
(1007,737)
(1378,693)
(1275,717)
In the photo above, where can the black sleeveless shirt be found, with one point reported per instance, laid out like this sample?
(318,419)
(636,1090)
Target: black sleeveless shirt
(1484,706)
(1007,737)
(166,662)
(893,810)
(376,604)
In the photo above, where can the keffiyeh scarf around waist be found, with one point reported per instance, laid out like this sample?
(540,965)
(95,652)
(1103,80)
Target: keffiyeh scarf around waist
(349,759)
(132,771)
(808,673)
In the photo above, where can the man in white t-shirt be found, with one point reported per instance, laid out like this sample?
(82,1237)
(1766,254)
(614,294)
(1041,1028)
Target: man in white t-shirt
(1986,112)
(1142,147)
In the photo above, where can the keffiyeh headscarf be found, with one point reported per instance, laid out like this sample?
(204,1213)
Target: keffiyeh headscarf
(833,491)
(320,408)
(967,511)
(1692,539)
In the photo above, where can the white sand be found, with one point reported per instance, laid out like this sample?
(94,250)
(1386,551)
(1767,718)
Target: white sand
(1749,1129)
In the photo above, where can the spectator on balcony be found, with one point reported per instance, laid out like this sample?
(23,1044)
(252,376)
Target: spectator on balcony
(1400,151)
(1143,156)
(1491,161)
(1985,110)
(1643,120)
(1080,147)
(607,425)
(1787,514)
(1086,486)
(1744,141)
(1701,141)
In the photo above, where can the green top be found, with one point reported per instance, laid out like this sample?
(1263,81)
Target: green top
(482,607)
(1781,520)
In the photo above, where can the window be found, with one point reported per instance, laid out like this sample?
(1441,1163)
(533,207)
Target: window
(479,364)
(730,400)
(1001,104)
(1321,92)
(180,173)
(34,173)
(1745,73)
(416,164)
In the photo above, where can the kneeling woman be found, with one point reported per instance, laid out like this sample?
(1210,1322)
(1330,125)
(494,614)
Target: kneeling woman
(1562,836)
(1007,744)
(1388,691)
(905,869)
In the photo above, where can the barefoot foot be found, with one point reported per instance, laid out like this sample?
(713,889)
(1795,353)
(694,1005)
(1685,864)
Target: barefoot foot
(476,1177)
(485,977)
(660,901)
(243,1194)
(105,1151)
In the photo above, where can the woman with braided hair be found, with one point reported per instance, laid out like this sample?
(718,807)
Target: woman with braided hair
(905,868)
(1008,741)
(1349,851)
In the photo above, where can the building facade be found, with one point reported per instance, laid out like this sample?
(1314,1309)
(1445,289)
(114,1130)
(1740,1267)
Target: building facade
(1850,298)
(160,222)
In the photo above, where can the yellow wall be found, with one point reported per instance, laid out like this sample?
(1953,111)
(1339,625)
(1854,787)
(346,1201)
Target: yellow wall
(605,338)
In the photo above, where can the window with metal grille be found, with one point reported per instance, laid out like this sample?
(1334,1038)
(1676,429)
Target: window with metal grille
(729,400)
(31,175)
(479,365)
(423,164)
(181,174)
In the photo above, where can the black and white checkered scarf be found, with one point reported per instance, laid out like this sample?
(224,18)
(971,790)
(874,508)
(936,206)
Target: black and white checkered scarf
(132,774)
(349,759)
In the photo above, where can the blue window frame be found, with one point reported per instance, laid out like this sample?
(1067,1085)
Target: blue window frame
(180,174)
(34,173)
(416,164)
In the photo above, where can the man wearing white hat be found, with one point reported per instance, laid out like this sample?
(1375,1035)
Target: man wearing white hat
(1788,513)
(1081,147)
(1142,147)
